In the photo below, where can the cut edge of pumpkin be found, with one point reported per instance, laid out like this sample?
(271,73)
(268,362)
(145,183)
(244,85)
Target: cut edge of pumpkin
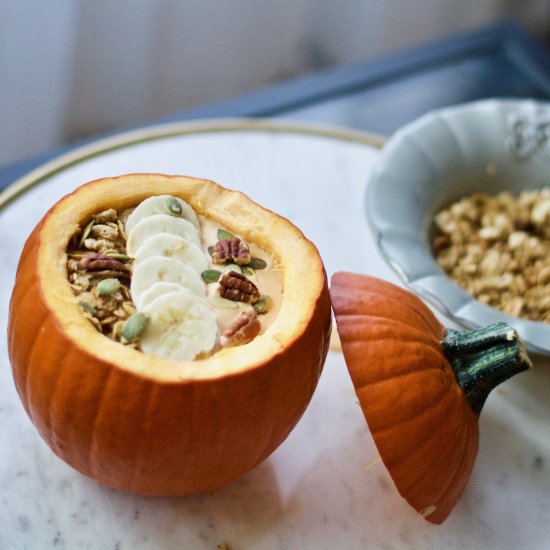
(434,510)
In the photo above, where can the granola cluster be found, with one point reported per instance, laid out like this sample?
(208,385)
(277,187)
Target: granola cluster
(99,273)
(498,249)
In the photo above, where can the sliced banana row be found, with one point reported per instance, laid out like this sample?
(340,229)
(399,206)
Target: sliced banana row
(164,240)
(163,269)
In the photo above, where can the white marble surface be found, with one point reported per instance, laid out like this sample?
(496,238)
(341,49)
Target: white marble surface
(315,490)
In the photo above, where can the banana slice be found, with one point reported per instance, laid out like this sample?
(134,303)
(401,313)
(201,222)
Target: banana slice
(173,246)
(161,204)
(160,223)
(156,290)
(161,269)
(181,327)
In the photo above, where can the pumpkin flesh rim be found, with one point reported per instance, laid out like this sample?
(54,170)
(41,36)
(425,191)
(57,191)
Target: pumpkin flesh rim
(232,209)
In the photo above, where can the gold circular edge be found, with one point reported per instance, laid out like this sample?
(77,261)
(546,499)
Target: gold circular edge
(151,133)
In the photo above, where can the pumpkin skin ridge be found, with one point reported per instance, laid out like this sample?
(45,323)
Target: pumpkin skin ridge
(345,291)
(408,488)
(261,456)
(447,493)
(376,346)
(411,483)
(25,295)
(400,375)
(443,402)
(396,295)
(25,379)
(96,419)
(457,482)
(454,487)
(47,422)
(307,345)
(141,441)
(380,429)
(369,297)
(436,342)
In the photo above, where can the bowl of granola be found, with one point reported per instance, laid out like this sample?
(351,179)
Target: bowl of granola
(459,204)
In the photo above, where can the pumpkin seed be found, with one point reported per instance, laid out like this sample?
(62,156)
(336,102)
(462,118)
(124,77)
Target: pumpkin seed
(210,250)
(233,267)
(85,233)
(90,309)
(218,301)
(106,287)
(173,206)
(257,263)
(247,271)
(211,275)
(263,305)
(120,257)
(224,235)
(134,327)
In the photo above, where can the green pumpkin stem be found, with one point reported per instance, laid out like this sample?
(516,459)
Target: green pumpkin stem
(482,359)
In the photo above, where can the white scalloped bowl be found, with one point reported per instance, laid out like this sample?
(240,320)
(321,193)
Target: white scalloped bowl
(487,146)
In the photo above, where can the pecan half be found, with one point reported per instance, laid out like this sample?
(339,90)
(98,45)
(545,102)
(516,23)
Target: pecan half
(234,250)
(238,288)
(98,262)
(244,328)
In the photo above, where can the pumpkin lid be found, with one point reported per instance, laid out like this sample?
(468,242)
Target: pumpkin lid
(420,387)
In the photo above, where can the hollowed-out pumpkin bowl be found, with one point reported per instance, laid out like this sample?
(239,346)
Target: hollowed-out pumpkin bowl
(154,426)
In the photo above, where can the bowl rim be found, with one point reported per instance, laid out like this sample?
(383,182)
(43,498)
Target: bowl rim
(458,306)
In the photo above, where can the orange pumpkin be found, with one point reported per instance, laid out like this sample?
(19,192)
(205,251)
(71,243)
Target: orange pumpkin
(154,426)
(420,387)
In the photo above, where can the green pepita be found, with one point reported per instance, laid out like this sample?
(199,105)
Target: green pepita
(90,309)
(233,267)
(120,257)
(247,271)
(263,305)
(85,233)
(134,327)
(210,250)
(106,287)
(173,206)
(257,263)
(224,235)
(211,275)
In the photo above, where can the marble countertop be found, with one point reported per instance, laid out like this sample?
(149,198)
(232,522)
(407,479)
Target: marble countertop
(324,487)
